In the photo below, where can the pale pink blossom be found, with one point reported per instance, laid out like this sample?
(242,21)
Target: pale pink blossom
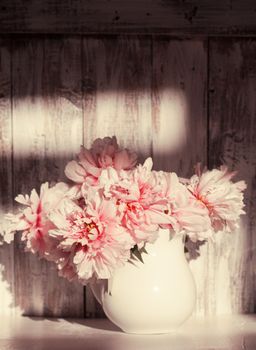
(88,229)
(140,204)
(65,265)
(104,153)
(93,236)
(223,198)
(33,218)
(148,199)
(186,214)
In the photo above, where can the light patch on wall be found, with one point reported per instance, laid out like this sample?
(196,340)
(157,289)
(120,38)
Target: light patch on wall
(43,127)
(125,114)
(170,121)
(7,299)
(7,305)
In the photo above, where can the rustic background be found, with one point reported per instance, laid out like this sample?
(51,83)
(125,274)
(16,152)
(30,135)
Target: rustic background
(175,80)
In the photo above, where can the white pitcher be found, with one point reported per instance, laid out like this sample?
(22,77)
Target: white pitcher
(155,296)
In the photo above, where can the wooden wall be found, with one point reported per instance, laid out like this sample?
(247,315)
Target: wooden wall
(178,17)
(178,100)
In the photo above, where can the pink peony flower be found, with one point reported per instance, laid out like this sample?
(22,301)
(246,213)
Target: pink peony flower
(34,221)
(93,237)
(90,228)
(185,213)
(222,198)
(104,153)
(140,203)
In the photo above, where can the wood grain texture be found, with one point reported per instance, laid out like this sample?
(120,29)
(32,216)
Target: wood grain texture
(117,98)
(150,93)
(233,142)
(47,130)
(200,17)
(6,251)
(179,109)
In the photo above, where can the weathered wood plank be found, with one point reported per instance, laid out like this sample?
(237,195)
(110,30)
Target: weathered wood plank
(47,131)
(204,17)
(117,98)
(179,109)
(179,104)
(116,78)
(232,141)
(6,251)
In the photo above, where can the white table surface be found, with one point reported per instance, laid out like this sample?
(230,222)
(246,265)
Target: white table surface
(224,333)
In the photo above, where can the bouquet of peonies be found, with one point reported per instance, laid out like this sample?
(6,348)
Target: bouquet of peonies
(114,207)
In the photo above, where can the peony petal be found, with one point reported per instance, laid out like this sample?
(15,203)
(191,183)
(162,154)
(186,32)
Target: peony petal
(22,199)
(75,172)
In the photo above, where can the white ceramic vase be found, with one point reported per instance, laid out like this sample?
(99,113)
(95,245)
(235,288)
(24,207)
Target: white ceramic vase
(155,296)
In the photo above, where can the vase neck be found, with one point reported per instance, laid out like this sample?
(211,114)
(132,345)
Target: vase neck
(167,235)
(167,243)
